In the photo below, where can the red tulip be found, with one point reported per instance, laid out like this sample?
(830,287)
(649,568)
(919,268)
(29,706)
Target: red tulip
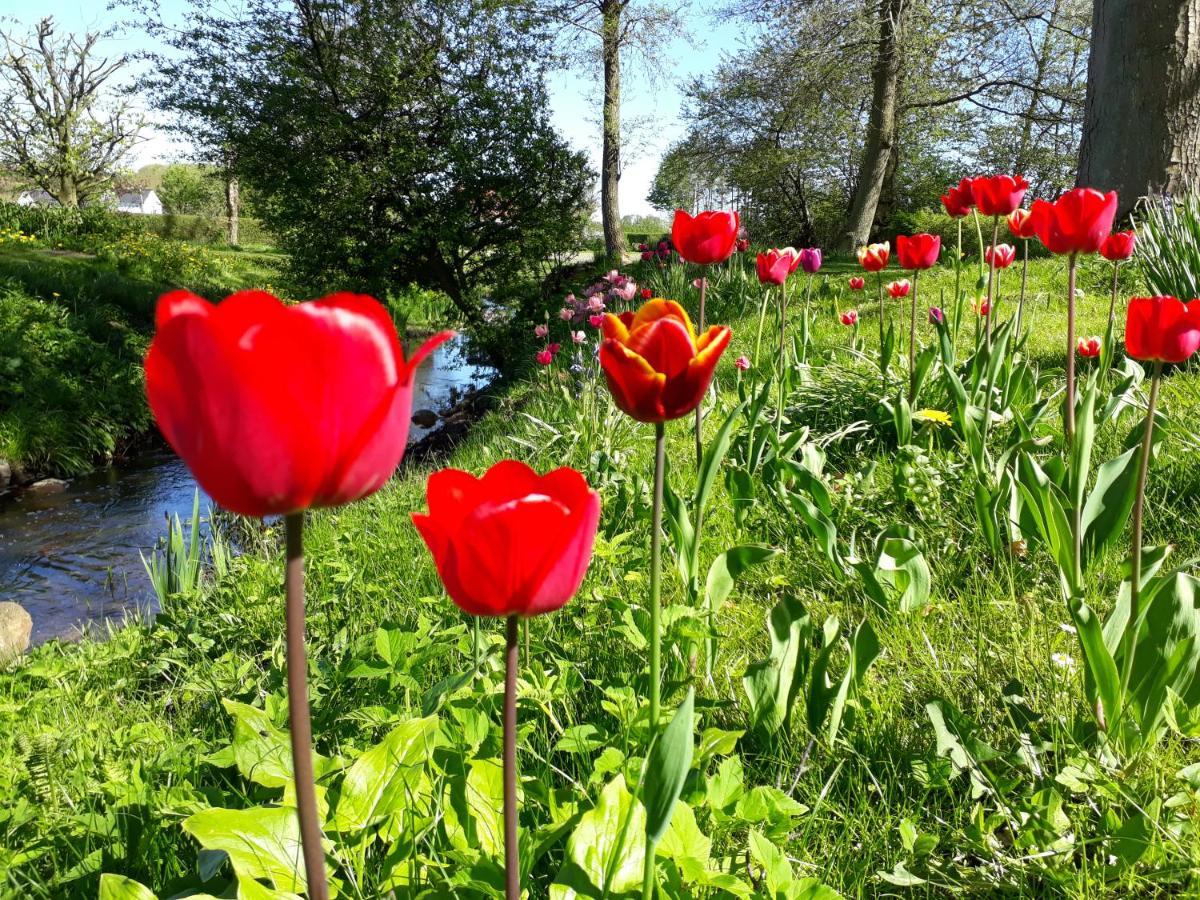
(998,195)
(1077,222)
(1089,346)
(707,238)
(1118,246)
(1000,256)
(850,317)
(958,201)
(512,542)
(647,293)
(656,367)
(774,266)
(918,251)
(1162,329)
(857,283)
(743,244)
(899,288)
(275,408)
(1020,224)
(874,257)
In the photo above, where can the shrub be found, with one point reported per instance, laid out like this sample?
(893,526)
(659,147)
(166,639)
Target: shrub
(70,383)
(1168,253)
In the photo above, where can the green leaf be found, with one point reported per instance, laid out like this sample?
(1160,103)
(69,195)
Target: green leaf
(249,889)
(667,767)
(900,564)
(684,841)
(382,780)
(1103,681)
(772,684)
(606,851)
(714,455)
(579,739)
(474,812)
(262,752)
(715,742)
(262,842)
(118,887)
(723,574)
(864,650)
(1108,505)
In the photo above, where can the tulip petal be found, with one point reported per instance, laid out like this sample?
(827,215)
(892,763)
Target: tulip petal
(636,388)
(431,344)
(665,344)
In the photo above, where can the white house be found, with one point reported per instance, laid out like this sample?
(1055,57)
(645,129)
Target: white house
(142,203)
(36,198)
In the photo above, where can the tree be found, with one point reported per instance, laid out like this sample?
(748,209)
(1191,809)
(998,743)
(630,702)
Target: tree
(833,129)
(188,189)
(62,125)
(1140,124)
(619,28)
(386,143)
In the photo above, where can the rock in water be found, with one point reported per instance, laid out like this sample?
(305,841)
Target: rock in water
(16,626)
(48,486)
(425,418)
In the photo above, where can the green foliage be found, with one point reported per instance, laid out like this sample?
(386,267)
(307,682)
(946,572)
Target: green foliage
(386,144)
(951,749)
(189,190)
(1168,249)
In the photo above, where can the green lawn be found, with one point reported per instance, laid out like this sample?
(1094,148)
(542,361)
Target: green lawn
(105,748)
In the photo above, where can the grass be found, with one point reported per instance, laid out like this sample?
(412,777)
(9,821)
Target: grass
(73,333)
(106,746)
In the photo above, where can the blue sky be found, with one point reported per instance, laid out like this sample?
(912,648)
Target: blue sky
(574,95)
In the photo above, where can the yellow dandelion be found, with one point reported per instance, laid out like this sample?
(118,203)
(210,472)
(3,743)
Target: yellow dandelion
(933,416)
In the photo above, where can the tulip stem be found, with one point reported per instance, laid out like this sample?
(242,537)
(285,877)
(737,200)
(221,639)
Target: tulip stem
(762,315)
(700,405)
(512,857)
(1070,409)
(958,258)
(782,363)
(1139,500)
(912,341)
(1110,332)
(1021,299)
(300,722)
(656,574)
(991,295)
(882,358)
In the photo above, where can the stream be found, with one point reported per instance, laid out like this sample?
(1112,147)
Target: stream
(73,558)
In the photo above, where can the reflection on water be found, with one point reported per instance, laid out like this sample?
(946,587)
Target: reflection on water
(72,558)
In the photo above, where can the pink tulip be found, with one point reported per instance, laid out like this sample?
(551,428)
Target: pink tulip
(596,321)
(565,314)
(541,331)
(742,363)
(850,317)
(544,357)
(578,337)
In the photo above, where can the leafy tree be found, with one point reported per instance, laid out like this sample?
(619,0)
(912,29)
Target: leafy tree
(618,29)
(63,126)
(857,113)
(387,143)
(188,189)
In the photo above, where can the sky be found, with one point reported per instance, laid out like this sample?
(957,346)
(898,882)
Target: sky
(574,95)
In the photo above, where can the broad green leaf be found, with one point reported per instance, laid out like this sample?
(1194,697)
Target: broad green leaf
(901,565)
(715,742)
(262,752)
(727,786)
(262,842)
(772,684)
(118,887)
(1102,678)
(579,739)
(474,811)
(684,842)
(249,889)
(714,454)
(722,576)
(864,650)
(667,767)
(606,851)
(1108,505)
(382,779)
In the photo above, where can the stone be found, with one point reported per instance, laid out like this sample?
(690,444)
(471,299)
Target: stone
(425,418)
(16,627)
(48,486)
(5,474)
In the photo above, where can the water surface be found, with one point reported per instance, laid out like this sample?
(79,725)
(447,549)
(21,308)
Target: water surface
(73,558)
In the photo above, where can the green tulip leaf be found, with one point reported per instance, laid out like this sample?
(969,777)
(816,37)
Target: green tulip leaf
(667,768)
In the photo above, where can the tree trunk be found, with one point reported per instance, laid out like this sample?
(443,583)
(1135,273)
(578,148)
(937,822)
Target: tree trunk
(1141,129)
(67,193)
(886,206)
(610,166)
(881,126)
(232,207)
